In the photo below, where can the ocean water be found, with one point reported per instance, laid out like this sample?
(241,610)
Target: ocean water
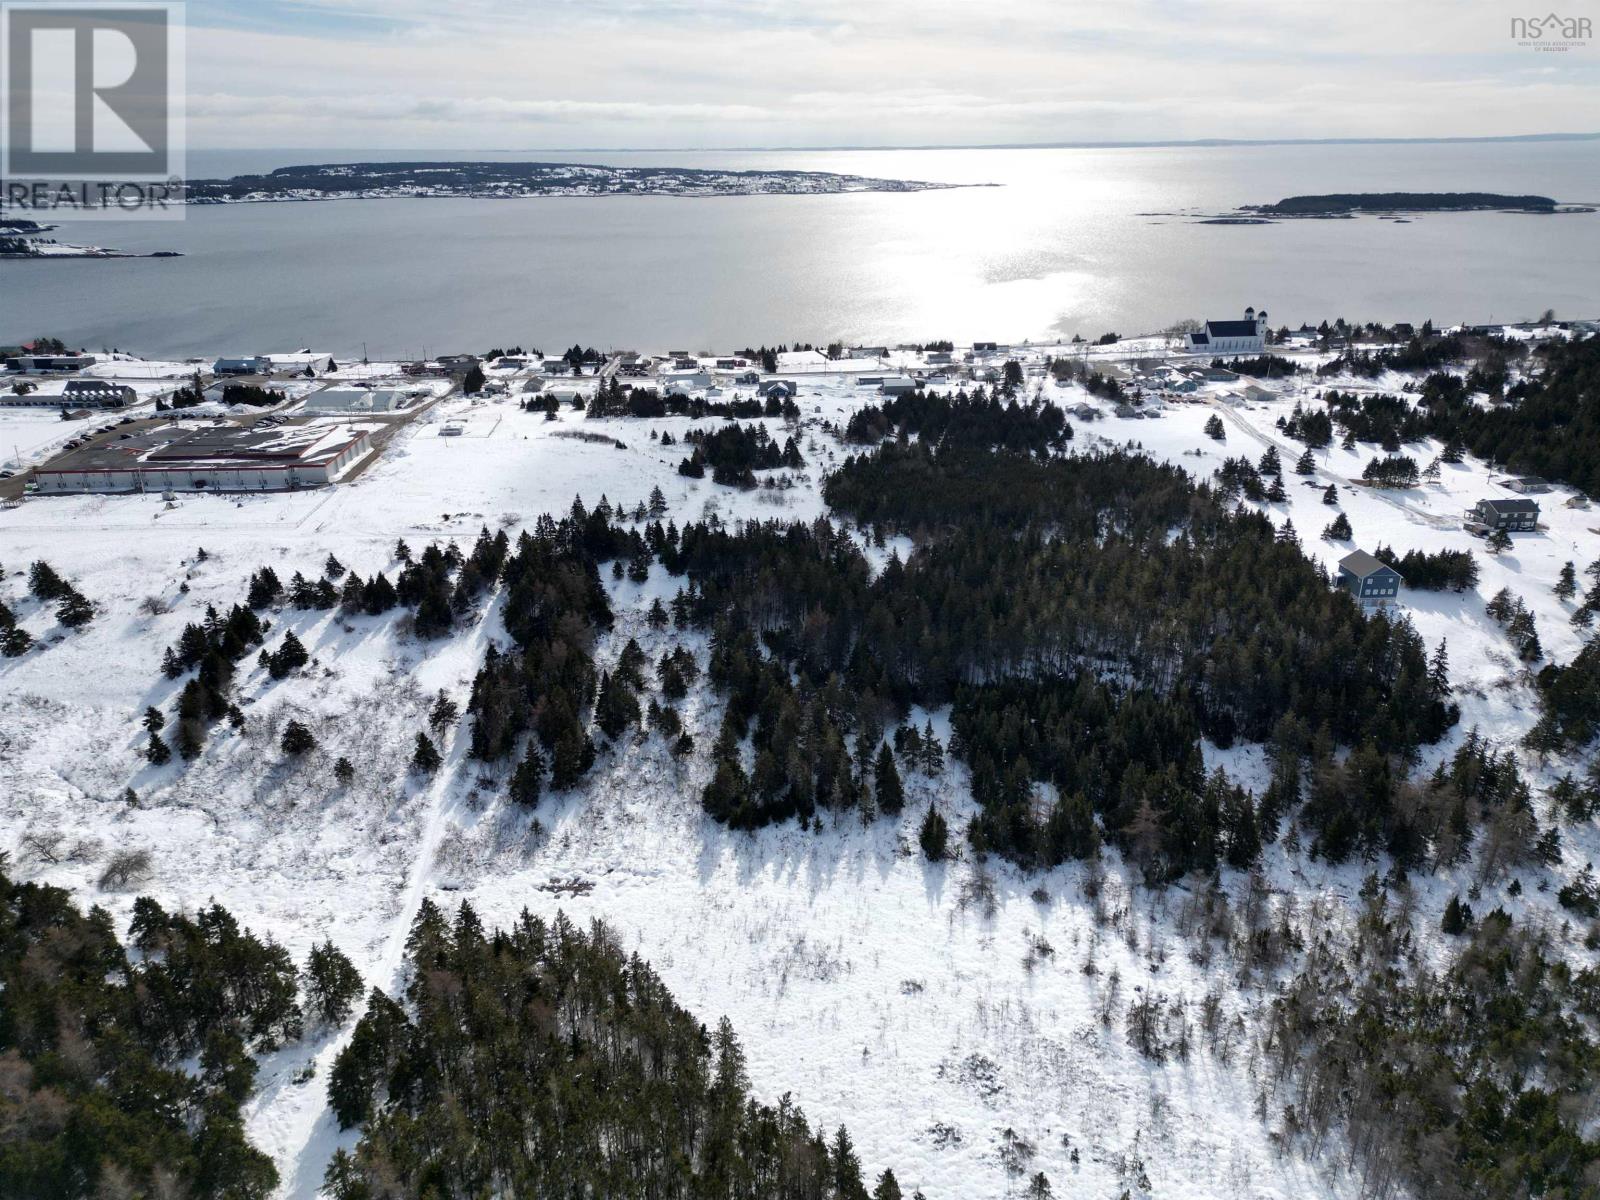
(1068,241)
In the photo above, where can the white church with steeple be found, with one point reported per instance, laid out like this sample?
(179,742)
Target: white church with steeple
(1248,336)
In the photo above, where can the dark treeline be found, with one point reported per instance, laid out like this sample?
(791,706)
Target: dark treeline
(736,452)
(1386,420)
(1455,570)
(545,1061)
(554,604)
(124,1074)
(1549,426)
(1090,617)
(976,420)
(1262,366)
(617,399)
(1570,696)
(1546,423)
(1392,471)
(1418,354)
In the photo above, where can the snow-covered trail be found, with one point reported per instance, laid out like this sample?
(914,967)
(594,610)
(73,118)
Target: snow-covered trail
(309,1134)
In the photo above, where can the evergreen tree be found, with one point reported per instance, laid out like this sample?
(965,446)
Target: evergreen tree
(15,641)
(265,587)
(1567,586)
(1439,669)
(616,709)
(344,771)
(887,788)
(1499,541)
(444,713)
(1214,429)
(935,836)
(289,657)
(191,738)
(44,583)
(1331,495)
(527,782)
(75,611)
(154,720)
(1457,917)
(847,1182)
(888,1187)
(331,984)
(158,752)
(425,758)
(1306,464)
(1338,529)
(297,739)
(932,752)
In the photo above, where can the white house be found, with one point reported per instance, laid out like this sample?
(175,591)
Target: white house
(692,380)
(300,361)
(1248,336)
(352,400)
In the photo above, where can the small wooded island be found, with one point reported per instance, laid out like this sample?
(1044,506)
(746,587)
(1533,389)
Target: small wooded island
(1347,203)
(495,180)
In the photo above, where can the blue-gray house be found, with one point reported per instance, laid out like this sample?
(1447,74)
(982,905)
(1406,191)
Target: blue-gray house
(1369,579)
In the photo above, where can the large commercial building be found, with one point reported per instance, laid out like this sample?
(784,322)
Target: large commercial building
(49,364)
(222,459)
(78,393)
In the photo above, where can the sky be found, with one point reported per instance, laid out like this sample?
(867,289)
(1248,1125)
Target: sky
(498,74)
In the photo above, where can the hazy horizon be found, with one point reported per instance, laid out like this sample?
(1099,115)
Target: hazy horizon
(738,74)
(1198,143)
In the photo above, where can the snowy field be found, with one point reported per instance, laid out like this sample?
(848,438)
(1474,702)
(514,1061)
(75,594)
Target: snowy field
(952,1015)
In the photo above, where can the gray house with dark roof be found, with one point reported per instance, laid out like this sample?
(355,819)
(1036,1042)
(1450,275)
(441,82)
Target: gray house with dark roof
(1514,516)
(1369,579)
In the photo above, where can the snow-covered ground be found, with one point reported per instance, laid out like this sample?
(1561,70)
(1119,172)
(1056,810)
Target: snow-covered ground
(952,1015)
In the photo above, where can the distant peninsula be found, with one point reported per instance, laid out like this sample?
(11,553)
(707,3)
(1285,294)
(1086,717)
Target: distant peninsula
(495,180)
(1339,204)
(16,241)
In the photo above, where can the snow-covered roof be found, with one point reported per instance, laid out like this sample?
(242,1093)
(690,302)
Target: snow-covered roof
(1361,564)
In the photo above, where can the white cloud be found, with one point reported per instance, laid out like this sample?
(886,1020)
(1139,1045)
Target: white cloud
(740,72)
